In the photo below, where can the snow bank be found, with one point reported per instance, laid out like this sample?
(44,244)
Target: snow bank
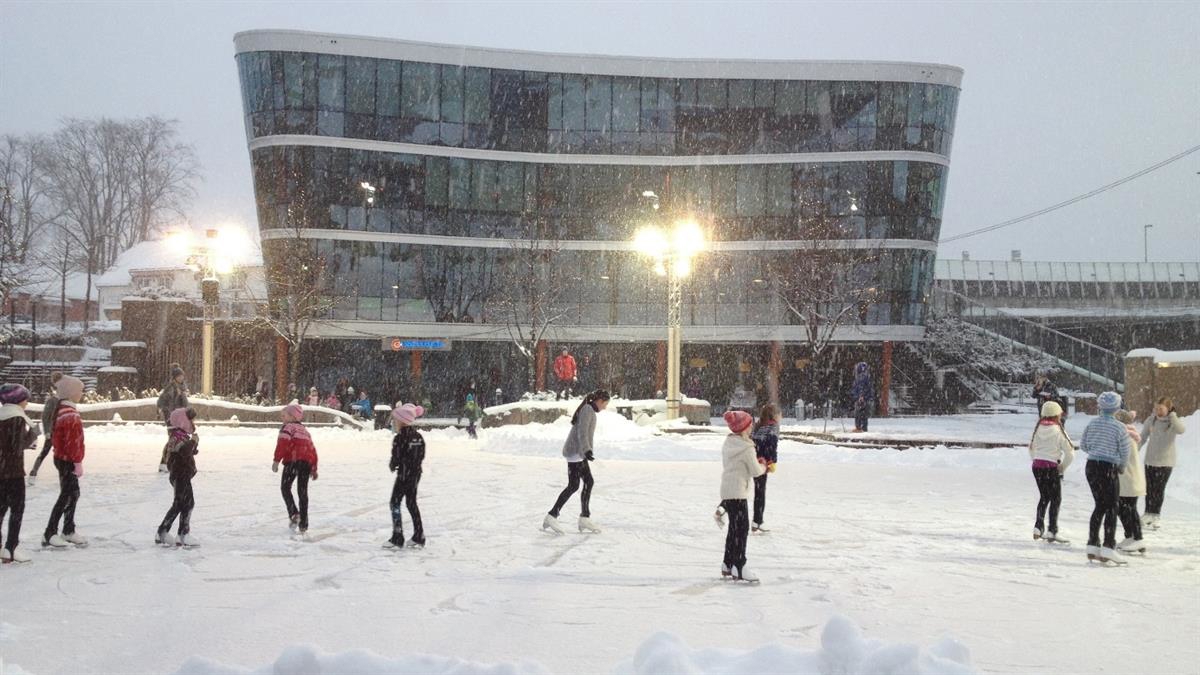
(843,651)
(616,438)
(1160,356)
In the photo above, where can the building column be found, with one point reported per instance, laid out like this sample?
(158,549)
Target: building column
(540,365)
(415,370)
(774,365)
(660,366)
(281,368)
(885,384)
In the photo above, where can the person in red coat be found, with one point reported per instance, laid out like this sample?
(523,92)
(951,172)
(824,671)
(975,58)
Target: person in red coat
(67,440)
(566,373)
(295,450)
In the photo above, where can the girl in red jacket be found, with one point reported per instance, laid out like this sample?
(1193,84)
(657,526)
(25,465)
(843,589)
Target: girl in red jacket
(295,449)
(67,439)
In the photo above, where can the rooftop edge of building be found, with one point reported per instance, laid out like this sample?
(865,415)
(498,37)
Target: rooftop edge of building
(593,64)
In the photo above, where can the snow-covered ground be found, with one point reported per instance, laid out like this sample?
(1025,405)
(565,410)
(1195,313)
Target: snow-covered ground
(910,548)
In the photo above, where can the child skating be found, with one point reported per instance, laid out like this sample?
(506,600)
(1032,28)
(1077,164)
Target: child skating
(408,452)
(740,466)
(578,453)
(1133,486)
(1052,452)
(68,460)
(1107,445)
(49,409)
(295,450)
(182,448)
(766,448)
(17,433)
(472,412)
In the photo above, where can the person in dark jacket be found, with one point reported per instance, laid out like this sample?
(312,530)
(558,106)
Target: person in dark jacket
(182,448)
(766,448)
(862,392)
(578,453)
(1043,391)
(173,397)
(17,433)
(48,409)
(408,452)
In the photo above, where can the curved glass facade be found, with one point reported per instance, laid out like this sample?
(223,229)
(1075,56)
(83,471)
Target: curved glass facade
(531,111)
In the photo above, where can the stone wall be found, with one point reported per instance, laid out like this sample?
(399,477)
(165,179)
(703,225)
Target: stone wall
(1151,374)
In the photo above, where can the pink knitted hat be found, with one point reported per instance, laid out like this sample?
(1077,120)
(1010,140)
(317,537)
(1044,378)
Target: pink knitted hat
(294,411)
(407,413)
(738,421)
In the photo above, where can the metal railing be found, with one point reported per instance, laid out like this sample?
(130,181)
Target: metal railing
(1081,357)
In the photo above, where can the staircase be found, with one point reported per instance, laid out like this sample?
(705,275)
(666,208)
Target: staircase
(36,376)
(1089,361)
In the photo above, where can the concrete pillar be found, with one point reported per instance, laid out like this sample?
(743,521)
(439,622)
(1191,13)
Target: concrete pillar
(1139,384)
(660,366)
(281,367)
(885,380)
(415,370)
(774,366)
(540,365)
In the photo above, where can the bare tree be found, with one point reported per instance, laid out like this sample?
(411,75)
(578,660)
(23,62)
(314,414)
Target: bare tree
(59,255)
(455,280)
(161,173)
(25,208)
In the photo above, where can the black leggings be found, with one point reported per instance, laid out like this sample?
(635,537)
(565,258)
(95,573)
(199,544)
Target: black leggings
(736,534)
(1128,512)
(404,493)
(1049,484)
(1156,487)
(760,498)
(296,472)
(12,501)
(184,502)
(1102,477)
(68,498)
(576,472)
(37,463)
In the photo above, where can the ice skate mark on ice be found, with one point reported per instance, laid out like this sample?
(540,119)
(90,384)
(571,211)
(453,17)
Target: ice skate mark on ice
(354,513)
(448,605)
(261,577)
(328,581)
(558,555)
(697,588)
(800,631)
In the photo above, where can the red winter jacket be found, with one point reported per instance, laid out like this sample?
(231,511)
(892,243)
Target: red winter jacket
(564,367)
(295,445)
(67,437)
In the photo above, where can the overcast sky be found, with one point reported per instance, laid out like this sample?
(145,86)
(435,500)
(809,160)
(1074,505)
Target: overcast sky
(1058,99)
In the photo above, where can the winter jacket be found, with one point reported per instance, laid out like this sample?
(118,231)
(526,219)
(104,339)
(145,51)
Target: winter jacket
(1158,435)
(564,367)
(67,438)
(295,445)
(1105,440)
(579,441)
(182,449)
(363,408)
(17,433)
(408,452)
(1045,392)
(1051,443)
(766,442)
(1133,478)
(862,388)
(173,396)
(49,408)
(471,411)
(739,468)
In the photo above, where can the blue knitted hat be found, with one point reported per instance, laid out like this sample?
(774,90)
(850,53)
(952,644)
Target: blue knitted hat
(1109,402)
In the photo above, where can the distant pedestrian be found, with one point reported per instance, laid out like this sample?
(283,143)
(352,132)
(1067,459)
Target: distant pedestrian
(314,397)
(17,434)
(1107,445)
(68,459)
(1052,452)
(408,453)
(182,448)
(862,393)
(472,412)
(332,401)
(173,397)
(363,409)
(1044,391)
(49,408)
(1158,433)
(578,452)
(766,448)
(566,373)
(295,450)
(740,466)
(1133,486)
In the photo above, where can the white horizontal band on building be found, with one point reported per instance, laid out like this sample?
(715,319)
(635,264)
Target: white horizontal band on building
(590,64)
(593,244)
(286,140)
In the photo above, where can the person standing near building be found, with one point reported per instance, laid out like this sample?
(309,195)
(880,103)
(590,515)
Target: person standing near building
(1107,446)
(766,448)
(182,449)
(578,452)
(49,408)
(314,397)
(862,393)
(68,459)
(1052,452)
(740,466)
(1158,434)
(295,450)
(173,397)
(1133,485)
(1043,392)
(408,453)
(566,373)
(472,412)
(363,408)
(17,434)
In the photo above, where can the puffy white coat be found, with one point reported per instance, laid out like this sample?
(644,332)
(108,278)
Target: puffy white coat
(1050,443)
(1133,478)
(741,467)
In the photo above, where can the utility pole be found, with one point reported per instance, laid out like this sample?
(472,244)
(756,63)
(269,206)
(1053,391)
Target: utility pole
(1146,243)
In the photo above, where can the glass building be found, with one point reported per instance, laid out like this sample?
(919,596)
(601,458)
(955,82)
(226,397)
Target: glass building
(420,173)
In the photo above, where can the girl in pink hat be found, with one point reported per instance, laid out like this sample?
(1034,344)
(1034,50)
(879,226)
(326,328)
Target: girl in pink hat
(740,467)
(295,450)
(408,452)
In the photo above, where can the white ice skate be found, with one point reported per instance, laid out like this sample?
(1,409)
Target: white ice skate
(14,556)
(1132,545)
(416,545)
(163,538)
(759,528)
(744,574)
(31,480)
(587,526)
(162,468)
(1109,557)
(55,541)
(1037,533)
(76,538)
(551,523)
(1054,538)
(725,571)
(1150,521)
(186,541)
(1093,553)
(294,523)
(719,517)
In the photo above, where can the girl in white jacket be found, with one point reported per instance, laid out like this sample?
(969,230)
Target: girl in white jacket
(1051,451)
(1133,485)
(740,468)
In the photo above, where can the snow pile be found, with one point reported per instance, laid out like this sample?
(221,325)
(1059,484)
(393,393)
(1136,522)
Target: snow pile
(1160,356)
(843,650)
(616,438)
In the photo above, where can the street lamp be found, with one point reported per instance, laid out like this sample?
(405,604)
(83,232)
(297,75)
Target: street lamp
(672,253)
(1146,243)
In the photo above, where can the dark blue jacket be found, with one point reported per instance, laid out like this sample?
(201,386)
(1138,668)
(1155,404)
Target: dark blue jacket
(766,442)
(862,387)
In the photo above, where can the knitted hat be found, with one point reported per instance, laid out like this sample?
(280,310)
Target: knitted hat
(1051,409)
(470,398)
(69,388)
(181,418)
(1109,402)
(407,413)
(738,421)
(13,393)
(176,371)
(294,411)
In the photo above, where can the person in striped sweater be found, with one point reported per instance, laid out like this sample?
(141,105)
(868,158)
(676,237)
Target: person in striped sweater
(1107,445)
